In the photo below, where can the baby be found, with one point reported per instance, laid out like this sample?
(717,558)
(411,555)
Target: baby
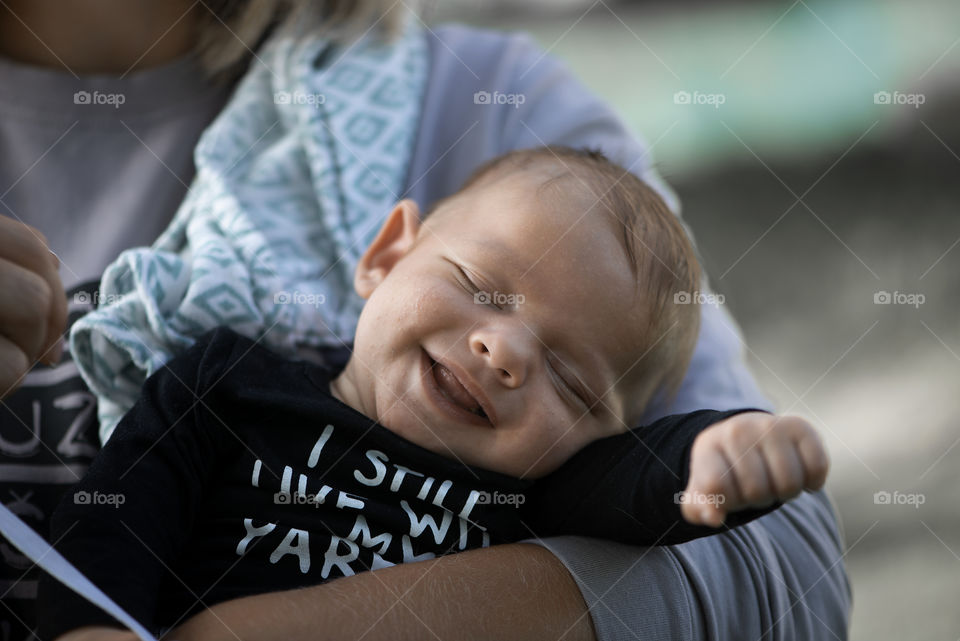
(508,342)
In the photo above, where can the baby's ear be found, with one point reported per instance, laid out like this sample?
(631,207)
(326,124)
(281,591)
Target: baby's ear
(395,239)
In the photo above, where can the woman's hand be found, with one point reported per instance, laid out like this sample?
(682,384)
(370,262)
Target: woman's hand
(33,307)
(98,633)
(751,460)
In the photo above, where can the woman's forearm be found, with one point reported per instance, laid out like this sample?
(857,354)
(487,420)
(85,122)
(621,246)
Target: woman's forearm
(516,591)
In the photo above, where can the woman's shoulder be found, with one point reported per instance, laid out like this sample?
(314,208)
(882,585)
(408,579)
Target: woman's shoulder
(490,92)
(481,52)
(458,35)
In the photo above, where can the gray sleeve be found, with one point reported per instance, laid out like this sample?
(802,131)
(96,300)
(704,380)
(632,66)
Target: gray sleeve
(779,577)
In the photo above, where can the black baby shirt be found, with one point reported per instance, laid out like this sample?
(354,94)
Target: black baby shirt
(237,473)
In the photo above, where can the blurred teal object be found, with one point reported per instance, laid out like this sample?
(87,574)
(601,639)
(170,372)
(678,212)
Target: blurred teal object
(789,78)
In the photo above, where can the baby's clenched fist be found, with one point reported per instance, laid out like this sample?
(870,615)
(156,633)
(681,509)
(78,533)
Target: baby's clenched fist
(751,460)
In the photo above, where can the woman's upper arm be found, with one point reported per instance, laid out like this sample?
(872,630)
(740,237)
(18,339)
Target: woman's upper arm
(780,577)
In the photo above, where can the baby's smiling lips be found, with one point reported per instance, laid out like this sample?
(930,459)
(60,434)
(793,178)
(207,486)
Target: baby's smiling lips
(451,386)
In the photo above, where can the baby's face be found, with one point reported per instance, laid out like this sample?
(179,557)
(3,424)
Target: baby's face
(501,332)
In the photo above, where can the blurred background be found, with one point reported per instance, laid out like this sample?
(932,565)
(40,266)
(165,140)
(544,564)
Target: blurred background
(816,151)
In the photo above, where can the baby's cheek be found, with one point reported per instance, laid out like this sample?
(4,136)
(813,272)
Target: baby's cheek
(559,436)
(429,300)
(400,304)
(435,306)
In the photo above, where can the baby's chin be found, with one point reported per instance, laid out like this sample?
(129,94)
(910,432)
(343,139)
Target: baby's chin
(399,418)
(402,421)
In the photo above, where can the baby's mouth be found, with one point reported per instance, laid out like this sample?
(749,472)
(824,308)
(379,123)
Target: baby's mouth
(454,390)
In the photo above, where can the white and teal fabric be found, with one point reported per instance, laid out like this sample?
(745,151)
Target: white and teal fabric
(293,180)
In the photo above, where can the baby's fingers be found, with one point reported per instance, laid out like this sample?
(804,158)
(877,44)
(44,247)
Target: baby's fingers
(785,468)
(709,488)
(799,436)
(750,474)
(815,460)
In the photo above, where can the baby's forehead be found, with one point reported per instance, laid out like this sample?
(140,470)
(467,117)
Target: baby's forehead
(545,241)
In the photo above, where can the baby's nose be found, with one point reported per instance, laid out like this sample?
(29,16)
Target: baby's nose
(504,351)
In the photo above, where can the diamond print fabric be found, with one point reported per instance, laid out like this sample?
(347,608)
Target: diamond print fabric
(293,180)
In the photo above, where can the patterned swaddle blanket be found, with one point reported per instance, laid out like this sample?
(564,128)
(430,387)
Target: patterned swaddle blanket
(293,180)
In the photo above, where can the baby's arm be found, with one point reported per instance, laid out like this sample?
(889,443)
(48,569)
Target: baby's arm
(751,460)
(631,487)
(128,517)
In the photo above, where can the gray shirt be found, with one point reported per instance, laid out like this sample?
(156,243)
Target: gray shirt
(97,178)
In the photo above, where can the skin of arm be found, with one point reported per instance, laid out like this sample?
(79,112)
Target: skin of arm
(514,591)
(399,603)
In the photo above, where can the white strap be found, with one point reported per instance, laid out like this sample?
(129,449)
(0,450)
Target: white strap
(42,553)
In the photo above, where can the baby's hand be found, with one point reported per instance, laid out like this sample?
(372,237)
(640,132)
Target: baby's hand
(751,460)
